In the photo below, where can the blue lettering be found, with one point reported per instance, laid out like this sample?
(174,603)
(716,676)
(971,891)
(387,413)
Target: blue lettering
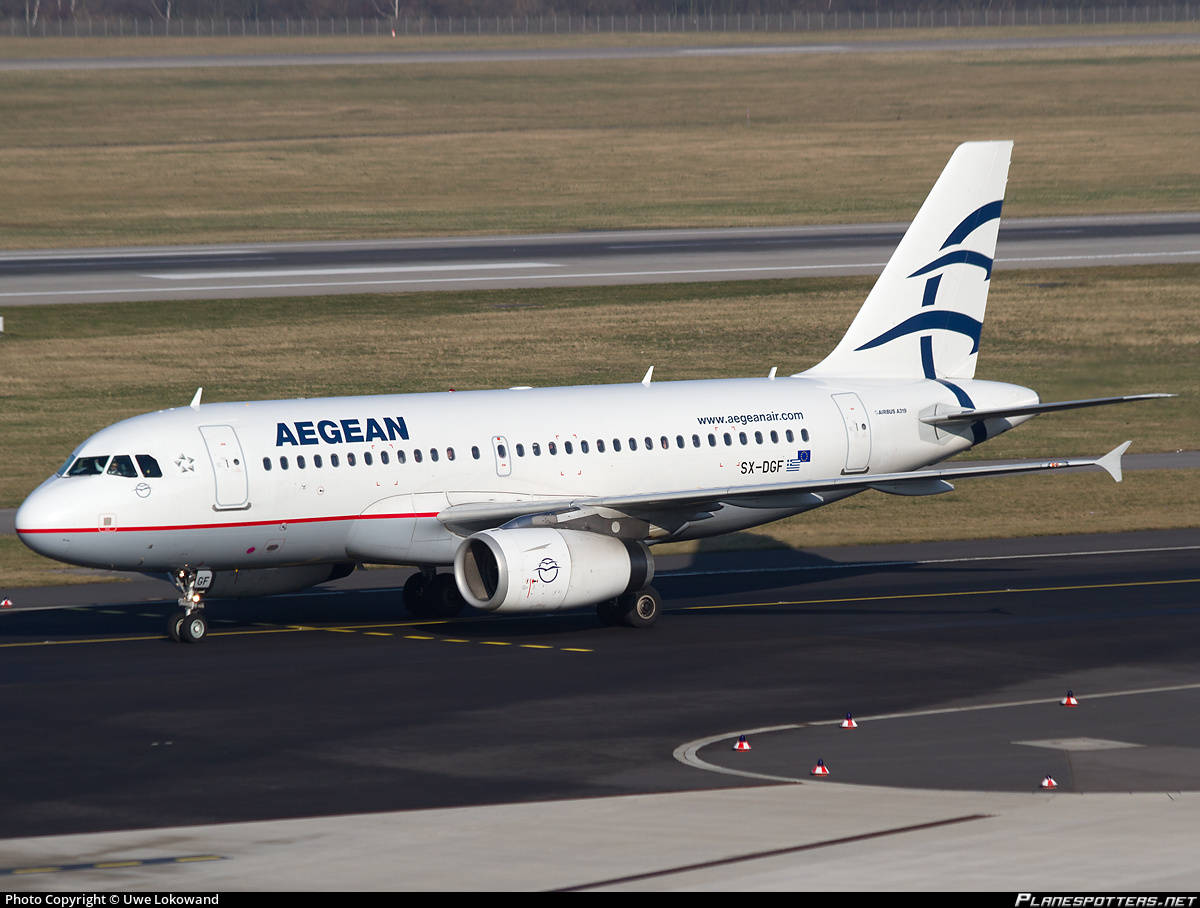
(283,435)
(396,428)
(375,431)
(352,430)
(308,435)
(328,430)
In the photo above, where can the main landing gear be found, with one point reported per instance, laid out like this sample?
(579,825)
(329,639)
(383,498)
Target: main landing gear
(188,624)
(428,594)
(636,609)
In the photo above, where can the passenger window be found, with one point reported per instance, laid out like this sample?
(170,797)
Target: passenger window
(384,458)
(695,441)
(401,457)
(500,449)
(728,439)
(520,450)
(149,465)
(267,464)
(583,447)
(567,449)
(712,440)
(774,436)
(663,443)
(617,444)
(475,451)
(633,444)
(803,434)
(333,460)
(600,445)
(536,449)
(552,448)
(679,441)
(367,458)
(649,443)
(790,436)
(122,465)
(300,462)
(350,459)
(449,453)
(283,463)
(742,437)
(433,454)
(758,437)
(317,462)
(417,453)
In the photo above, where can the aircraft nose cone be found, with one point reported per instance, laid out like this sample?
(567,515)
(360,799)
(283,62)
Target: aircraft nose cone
(42,521)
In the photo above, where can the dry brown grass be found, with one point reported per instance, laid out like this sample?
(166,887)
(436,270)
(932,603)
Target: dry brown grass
(112,158)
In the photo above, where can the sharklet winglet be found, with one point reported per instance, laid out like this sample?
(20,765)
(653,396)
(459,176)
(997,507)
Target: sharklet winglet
(1111,462)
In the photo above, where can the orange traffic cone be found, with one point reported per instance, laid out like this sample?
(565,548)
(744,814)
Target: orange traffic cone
(742,743)
(1048,783)
(820,769)
(849,722)
(7,603)
(1069,699)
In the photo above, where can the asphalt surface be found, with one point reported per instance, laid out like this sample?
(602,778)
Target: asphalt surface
(333,702)
(606,258)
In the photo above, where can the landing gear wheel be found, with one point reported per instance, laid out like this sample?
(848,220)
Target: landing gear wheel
(610,612)
(174,623)
(640,609)
(414,595)
(193,628)
(443,598)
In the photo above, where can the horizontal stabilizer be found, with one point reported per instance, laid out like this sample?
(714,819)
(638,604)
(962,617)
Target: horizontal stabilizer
(965,416)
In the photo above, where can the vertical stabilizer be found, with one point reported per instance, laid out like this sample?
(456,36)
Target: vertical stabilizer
(924,315)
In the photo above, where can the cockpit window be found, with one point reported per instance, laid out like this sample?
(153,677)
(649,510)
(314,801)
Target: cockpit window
(89,466)
(122,465)
(149,466)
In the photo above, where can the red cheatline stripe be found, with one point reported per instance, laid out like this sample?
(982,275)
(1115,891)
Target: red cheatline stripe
(225,526)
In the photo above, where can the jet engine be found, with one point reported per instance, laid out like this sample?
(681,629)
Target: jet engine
(535,569)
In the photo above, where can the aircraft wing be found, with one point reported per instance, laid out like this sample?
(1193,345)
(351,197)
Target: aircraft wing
(483,515)
(964,416)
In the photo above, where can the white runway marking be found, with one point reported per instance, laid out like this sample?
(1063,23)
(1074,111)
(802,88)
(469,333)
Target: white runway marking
(687,753)
(314,272)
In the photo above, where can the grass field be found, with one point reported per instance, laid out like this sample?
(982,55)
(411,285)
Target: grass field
(206,155)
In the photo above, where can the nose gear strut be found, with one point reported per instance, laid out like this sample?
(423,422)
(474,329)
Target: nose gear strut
(188,624)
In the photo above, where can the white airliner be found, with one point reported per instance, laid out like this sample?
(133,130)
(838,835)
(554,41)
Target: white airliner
(547,499)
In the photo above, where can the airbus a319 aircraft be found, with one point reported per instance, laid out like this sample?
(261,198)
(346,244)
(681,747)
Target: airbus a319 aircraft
(550,498)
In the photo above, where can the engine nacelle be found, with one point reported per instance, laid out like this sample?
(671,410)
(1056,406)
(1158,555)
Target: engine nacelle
(271,581)
(534,569)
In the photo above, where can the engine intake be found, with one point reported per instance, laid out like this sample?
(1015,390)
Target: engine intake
(535,569)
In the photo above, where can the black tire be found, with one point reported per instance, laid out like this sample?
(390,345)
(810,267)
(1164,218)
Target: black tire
(174,623)
(414,595)
(610,612)
(443,598)
(193,628)
(641,609)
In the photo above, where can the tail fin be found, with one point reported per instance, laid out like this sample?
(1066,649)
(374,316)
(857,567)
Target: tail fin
(924,315)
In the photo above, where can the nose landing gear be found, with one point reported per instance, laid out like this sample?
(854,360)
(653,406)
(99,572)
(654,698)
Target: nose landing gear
(188,624)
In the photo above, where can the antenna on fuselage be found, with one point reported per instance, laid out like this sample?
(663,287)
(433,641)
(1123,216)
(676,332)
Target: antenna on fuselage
(771,374)
(646,380)
(195,404)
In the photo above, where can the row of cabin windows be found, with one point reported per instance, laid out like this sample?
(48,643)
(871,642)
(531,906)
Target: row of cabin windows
(368,458)
(648,443)
(535,449)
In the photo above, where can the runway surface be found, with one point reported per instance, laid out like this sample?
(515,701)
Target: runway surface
(356,749)
(607,258)
(794,45)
